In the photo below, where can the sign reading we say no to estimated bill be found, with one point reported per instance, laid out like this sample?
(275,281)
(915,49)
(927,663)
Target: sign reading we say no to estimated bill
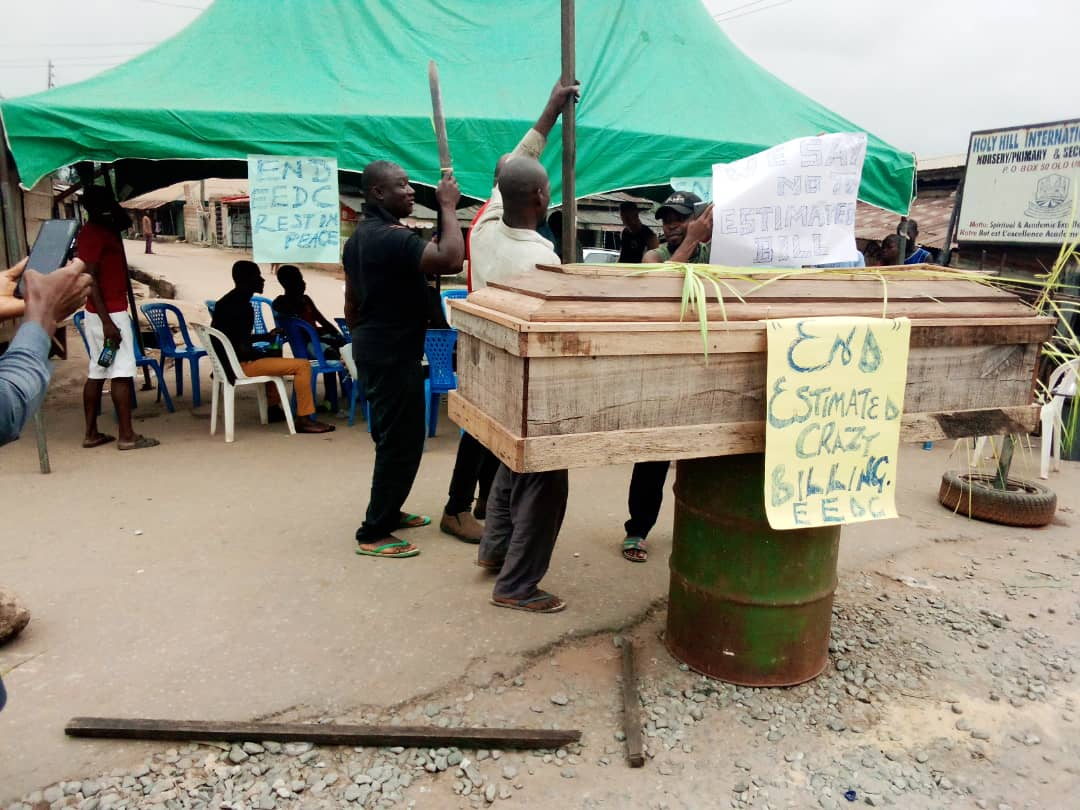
(835,392)
(295,213)
(789,206)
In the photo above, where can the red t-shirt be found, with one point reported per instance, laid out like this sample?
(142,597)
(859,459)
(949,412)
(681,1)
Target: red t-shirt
(98,245)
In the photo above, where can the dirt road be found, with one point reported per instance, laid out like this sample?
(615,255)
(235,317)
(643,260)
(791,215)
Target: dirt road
(199,580)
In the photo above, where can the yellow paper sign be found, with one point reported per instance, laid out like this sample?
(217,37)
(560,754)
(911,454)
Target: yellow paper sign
(834,394)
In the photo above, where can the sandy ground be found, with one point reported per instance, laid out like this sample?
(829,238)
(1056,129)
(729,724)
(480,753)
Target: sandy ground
(203,580)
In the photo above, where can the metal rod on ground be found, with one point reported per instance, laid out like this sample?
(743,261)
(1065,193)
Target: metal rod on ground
(446,163)
(42,442)
(569,139)
(382,736)
(631,707)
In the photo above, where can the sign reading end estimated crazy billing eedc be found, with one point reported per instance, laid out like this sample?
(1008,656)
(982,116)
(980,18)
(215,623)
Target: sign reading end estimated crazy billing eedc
(1021,185)
(835,396)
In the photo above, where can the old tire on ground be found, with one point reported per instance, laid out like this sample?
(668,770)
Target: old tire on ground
(1024,503)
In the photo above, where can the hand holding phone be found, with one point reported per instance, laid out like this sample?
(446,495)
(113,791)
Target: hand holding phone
(52,249)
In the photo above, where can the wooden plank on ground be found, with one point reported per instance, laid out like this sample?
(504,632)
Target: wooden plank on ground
(635,753)
(319,734)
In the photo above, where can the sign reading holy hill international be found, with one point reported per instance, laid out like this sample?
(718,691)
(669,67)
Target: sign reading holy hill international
(1021,185)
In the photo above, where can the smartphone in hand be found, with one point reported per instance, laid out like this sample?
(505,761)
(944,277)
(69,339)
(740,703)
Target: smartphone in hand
(52,249)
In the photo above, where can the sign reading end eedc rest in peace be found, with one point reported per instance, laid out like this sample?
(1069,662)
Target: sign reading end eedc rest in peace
(295,215)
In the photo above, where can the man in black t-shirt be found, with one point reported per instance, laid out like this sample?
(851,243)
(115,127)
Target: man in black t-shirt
(386,266)
(636,236)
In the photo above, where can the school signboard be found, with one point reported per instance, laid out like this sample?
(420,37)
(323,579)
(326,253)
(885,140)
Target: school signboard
(1021,185)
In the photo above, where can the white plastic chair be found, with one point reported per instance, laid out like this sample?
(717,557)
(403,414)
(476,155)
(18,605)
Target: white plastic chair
(227,389)
(1062,384)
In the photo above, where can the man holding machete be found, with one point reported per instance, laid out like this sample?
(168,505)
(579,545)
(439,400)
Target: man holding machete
(386,266)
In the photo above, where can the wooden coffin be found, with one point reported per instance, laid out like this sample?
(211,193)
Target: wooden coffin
(587,366)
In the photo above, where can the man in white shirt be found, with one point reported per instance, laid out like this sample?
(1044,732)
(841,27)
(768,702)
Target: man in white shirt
(486,249)
(525,510)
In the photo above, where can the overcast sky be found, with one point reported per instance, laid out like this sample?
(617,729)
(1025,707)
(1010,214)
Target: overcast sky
(921,74)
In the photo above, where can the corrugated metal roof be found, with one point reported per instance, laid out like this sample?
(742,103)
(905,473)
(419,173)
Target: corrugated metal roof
(216,189)
(931,211)
(929,164)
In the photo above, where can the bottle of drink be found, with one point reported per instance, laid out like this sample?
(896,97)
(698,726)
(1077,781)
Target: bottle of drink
(108,354)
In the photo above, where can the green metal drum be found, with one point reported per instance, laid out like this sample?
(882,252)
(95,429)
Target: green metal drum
(747,605)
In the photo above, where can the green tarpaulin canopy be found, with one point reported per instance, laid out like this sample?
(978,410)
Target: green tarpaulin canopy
(666,94)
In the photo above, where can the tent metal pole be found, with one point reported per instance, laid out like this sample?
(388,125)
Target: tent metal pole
(950,232)
(8,192)
(569,139)
(110,181)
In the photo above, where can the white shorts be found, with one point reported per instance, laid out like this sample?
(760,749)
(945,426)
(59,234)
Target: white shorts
(124,364)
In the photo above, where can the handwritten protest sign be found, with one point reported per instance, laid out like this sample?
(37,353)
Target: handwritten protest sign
(294,209)
(835,393)
(789,206)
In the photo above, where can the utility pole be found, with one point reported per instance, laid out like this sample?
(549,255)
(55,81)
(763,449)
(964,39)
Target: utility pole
(569,142)
(52,75)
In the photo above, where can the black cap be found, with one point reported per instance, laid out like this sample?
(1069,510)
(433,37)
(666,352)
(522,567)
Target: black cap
(680,202)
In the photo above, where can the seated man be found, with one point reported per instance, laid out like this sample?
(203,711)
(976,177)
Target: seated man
(234,316)
(297,304)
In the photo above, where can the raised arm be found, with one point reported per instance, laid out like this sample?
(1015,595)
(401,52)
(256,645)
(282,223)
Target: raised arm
(443,257)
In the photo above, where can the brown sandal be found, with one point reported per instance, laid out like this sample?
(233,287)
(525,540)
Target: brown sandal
(308,426)
(540,602)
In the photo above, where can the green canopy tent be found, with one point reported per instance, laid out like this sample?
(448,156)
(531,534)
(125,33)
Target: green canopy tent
(666,94)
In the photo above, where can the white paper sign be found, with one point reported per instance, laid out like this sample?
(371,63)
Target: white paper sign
(789,206)
(295,212)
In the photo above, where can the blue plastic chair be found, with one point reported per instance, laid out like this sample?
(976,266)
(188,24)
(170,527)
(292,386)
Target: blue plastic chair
(455,294)
(344,327)
(305,345)
(257,302)
(158,315)
(141,361)
(439,348)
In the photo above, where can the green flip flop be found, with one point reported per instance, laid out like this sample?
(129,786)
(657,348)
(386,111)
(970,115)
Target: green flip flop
(380,551)
(407,521)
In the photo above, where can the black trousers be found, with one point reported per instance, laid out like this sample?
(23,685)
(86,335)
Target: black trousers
(396,395)
(524,514)
(646,496)
(475,464)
